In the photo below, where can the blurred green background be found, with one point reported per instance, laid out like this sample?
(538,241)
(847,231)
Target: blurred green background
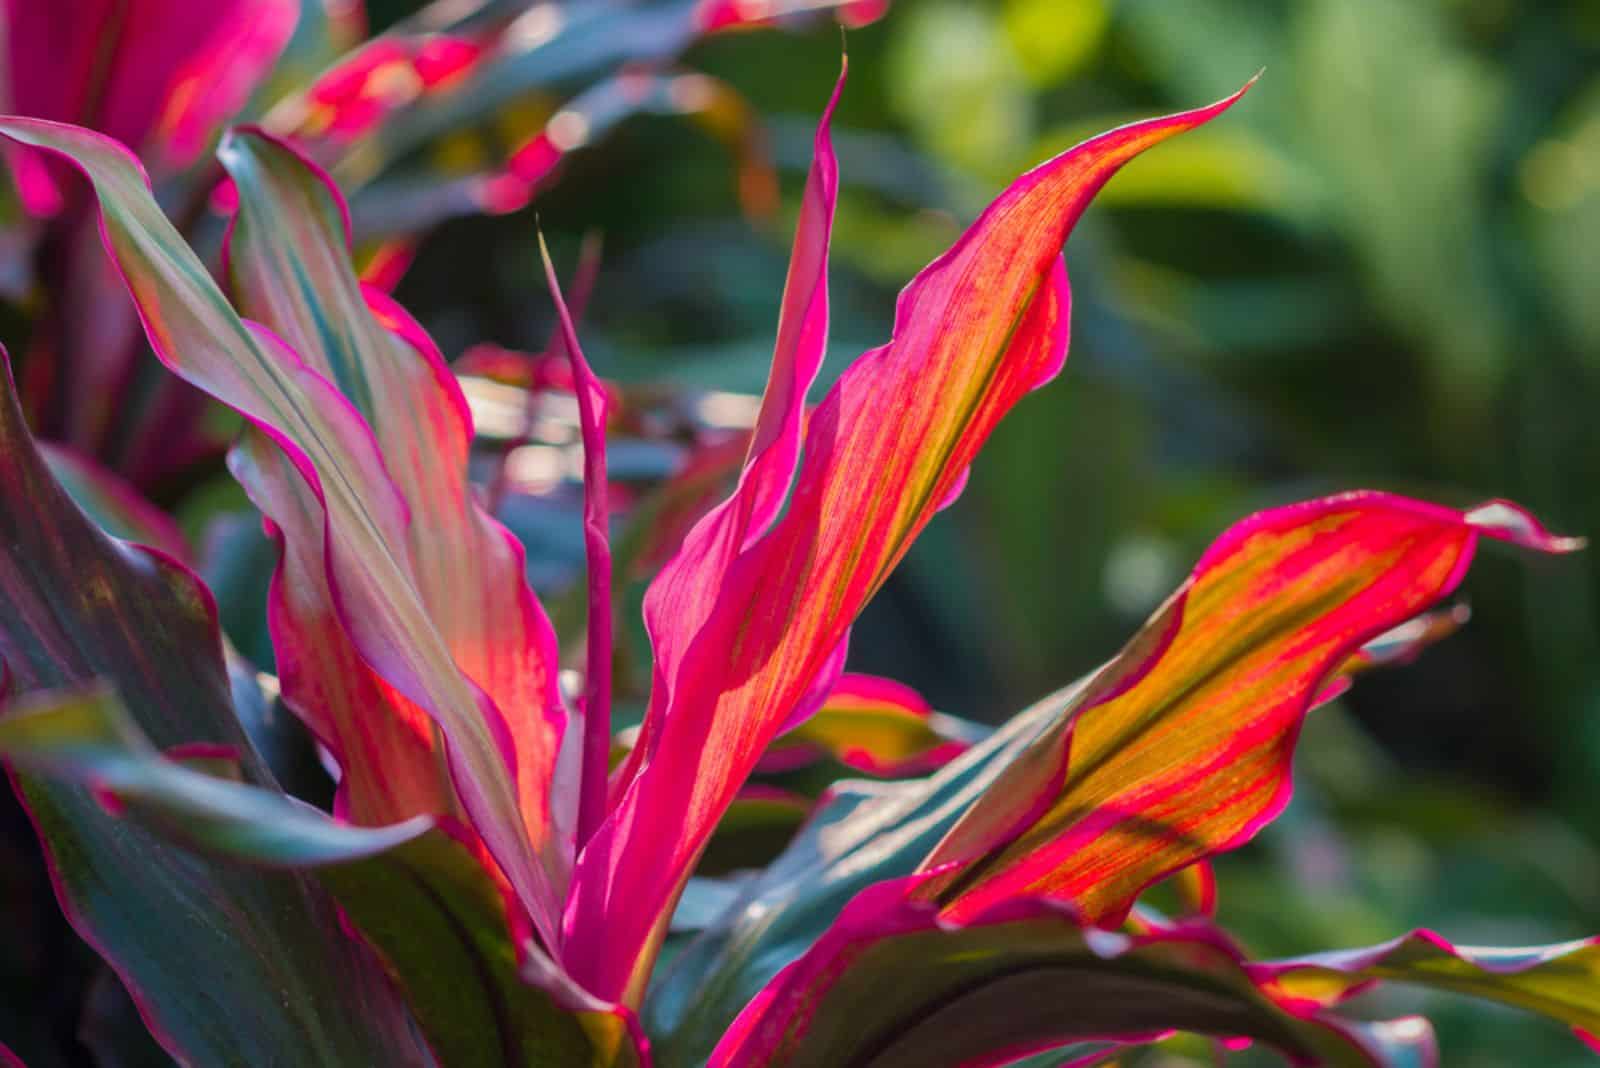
(1379,270)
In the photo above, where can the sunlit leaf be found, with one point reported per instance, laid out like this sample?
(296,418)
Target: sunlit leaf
(874,726)
(1180,747)
(750,616)
(198,335)
(290,265)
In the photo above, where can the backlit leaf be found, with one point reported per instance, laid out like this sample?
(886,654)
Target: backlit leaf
(194,330)
(1180,746)
(748,617)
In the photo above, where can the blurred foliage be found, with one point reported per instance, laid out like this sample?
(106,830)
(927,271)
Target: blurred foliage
(1380,271)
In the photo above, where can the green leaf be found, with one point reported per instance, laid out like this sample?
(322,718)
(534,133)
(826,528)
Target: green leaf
(1559,981)
(417,895)
(230,967)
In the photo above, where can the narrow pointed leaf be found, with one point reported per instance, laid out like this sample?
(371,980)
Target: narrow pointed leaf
(245,967)
(1181,745)
(591,395)
(199,336)
(746,617)
(612,959)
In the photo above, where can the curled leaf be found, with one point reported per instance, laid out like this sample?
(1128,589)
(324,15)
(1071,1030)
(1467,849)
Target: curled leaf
(248,966)
(419,896)
(1560,981)
(289,259)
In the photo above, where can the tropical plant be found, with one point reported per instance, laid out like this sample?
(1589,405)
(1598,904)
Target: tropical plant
(493,884)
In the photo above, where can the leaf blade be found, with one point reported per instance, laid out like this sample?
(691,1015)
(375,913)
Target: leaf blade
(747,621)
(1180,747)
(79,605)
(289,259)
(892,985)
(417,894)
(198,335)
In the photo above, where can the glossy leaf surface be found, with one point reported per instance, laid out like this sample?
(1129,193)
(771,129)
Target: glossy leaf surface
(289,260)
(889,986)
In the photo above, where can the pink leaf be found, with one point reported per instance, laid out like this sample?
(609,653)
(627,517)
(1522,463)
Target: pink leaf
(744,619)
(597,548)
(1180,747)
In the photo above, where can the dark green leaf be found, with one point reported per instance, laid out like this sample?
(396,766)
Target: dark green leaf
(230,967)
(418,896)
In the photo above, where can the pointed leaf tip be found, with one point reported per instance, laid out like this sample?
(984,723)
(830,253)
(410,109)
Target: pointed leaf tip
(778,588)
(1506,521)
(592,403)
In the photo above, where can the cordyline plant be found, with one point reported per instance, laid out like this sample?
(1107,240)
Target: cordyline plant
(491,887)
